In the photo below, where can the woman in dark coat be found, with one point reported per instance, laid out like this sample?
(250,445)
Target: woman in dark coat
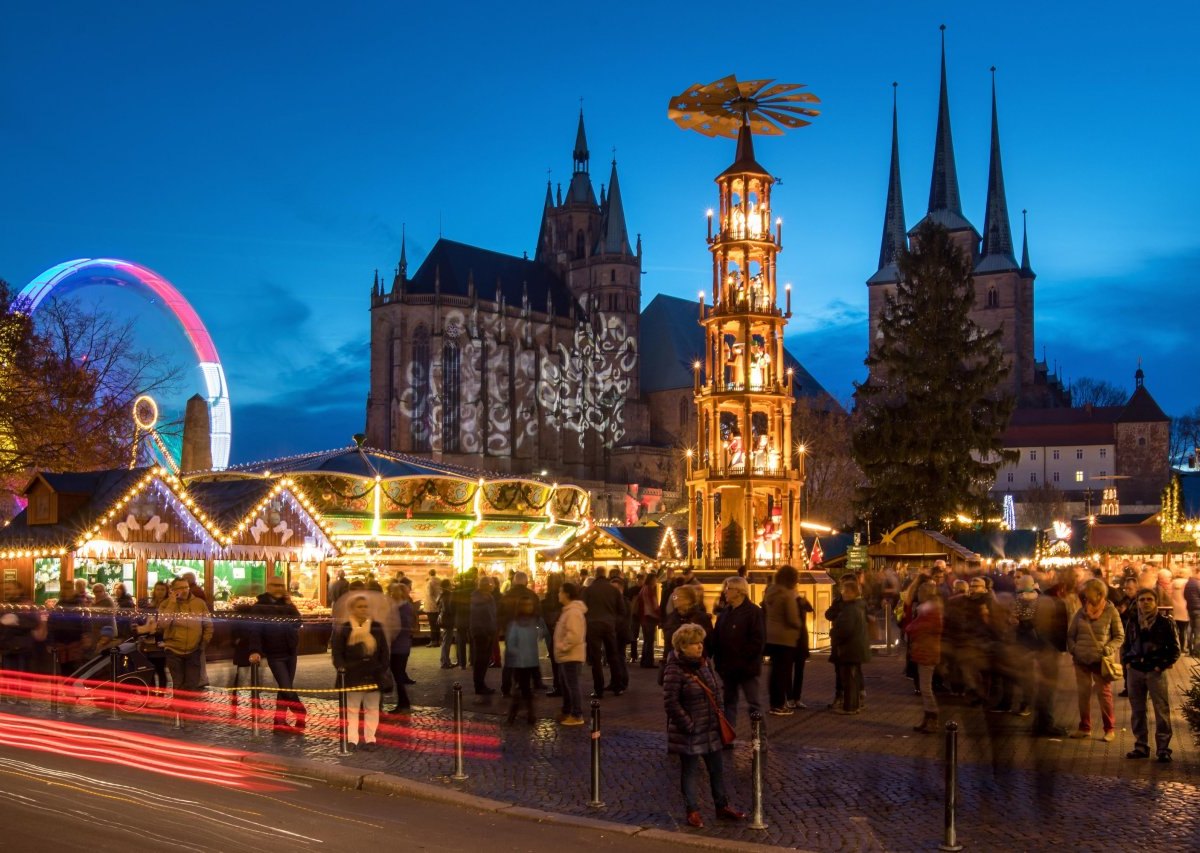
(401,645)
(483,633)
(690,690)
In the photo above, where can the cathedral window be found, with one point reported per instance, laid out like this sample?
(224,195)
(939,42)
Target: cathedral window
(450,387)
(420,390)
(612,276)
(684,405)
(579,245)
(993,298)
(612,302)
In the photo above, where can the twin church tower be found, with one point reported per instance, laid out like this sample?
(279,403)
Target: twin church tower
(1003,284)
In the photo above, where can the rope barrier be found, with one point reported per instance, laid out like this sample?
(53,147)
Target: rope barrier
(366,688)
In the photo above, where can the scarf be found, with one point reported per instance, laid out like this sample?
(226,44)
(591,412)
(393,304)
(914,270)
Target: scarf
(1095,611)
(361,635)
(1144,622)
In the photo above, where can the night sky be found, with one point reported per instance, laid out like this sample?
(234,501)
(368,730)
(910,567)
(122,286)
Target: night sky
(263,157)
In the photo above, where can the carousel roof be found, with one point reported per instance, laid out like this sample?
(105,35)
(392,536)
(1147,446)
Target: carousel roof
(370,462)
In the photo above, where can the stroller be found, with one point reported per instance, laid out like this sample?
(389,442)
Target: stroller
(93,682)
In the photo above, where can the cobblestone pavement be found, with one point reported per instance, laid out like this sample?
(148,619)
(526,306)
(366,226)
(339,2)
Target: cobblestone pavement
(831,782)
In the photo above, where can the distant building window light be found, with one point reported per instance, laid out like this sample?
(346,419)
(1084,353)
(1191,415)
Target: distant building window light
(1078,476)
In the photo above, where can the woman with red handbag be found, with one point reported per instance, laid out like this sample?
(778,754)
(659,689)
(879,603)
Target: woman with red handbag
(694,722)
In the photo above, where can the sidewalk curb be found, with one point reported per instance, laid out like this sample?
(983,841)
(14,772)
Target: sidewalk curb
(370,781)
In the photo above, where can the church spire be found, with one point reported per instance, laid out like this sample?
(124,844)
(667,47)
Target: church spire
(546,231)
(943,189)
(403,250)
(997,251)
(614,236)
(580,189)
(1026,269)
(894,239)
(581,149)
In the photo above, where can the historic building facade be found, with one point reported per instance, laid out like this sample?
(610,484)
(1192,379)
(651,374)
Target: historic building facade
(522,365)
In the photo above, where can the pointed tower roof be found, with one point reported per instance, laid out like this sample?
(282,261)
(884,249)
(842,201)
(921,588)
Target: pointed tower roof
(1141,408)
(580,189)
(894,237)
(614,236)
(945,206)
(403,250)
(743,161)
(997,254)
(543,243)
(581,149)
(1026,269)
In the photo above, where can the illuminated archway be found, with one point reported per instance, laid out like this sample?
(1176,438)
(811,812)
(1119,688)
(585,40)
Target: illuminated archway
(89,271)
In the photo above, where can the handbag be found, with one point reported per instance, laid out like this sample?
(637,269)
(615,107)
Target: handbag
(1110,667)
(728,733)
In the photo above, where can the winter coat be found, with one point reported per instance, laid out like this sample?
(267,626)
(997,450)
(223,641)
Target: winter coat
(693,727)
(848,633)
(402,642)
(460,605)
(570,633)
(736,644)
(648,596)
(605,603)
(1149,649)
(803,608)
(694,616)
(1179,605)
(277,627)
(482,614)
(510,604)
(1191,594)
(337,589)
(361,667)
(1108,633)
(185,624)
(925,635)
(782,616)
(521,649)
(1050,621)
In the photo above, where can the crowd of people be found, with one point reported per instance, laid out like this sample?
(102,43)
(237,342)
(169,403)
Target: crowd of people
(993,640)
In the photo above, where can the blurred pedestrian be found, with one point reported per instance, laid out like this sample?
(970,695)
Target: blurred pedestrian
(783,628)
(651,617)
(924,633)
(551,608)
(690,690)
(570,650)
(510,606)
(605,612)
(360,655)
(848,636)
(522,641)
(338,587)
(1095,636)
(431,606)
(482,621)
(1191,594)
(795,699)
(277,638)
(187,630)
(1149,650)
(400,644)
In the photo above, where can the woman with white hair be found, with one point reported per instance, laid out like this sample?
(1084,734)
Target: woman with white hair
(1094,637)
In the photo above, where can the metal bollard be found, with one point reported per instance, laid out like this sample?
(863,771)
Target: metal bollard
(54,680)
(343,716)
(113,653)
(595,802)
(950,837)
(255,697)
(459,773)
(757,745)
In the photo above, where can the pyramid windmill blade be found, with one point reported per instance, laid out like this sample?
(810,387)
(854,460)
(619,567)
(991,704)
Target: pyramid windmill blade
(721,107)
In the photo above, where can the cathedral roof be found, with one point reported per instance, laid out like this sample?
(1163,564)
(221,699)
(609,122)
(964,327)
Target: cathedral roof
(452,265)
(671,341)
(945,204)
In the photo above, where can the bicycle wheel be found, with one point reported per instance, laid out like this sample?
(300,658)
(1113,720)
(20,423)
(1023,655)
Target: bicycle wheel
(133,692)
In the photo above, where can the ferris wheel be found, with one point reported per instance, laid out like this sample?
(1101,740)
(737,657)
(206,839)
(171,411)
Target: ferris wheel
(109,271)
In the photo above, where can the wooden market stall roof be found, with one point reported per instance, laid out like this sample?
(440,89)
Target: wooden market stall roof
(152,510)
(639,543)
(912,543)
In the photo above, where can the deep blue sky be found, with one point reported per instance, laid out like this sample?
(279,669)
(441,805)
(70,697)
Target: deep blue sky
(263,157)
